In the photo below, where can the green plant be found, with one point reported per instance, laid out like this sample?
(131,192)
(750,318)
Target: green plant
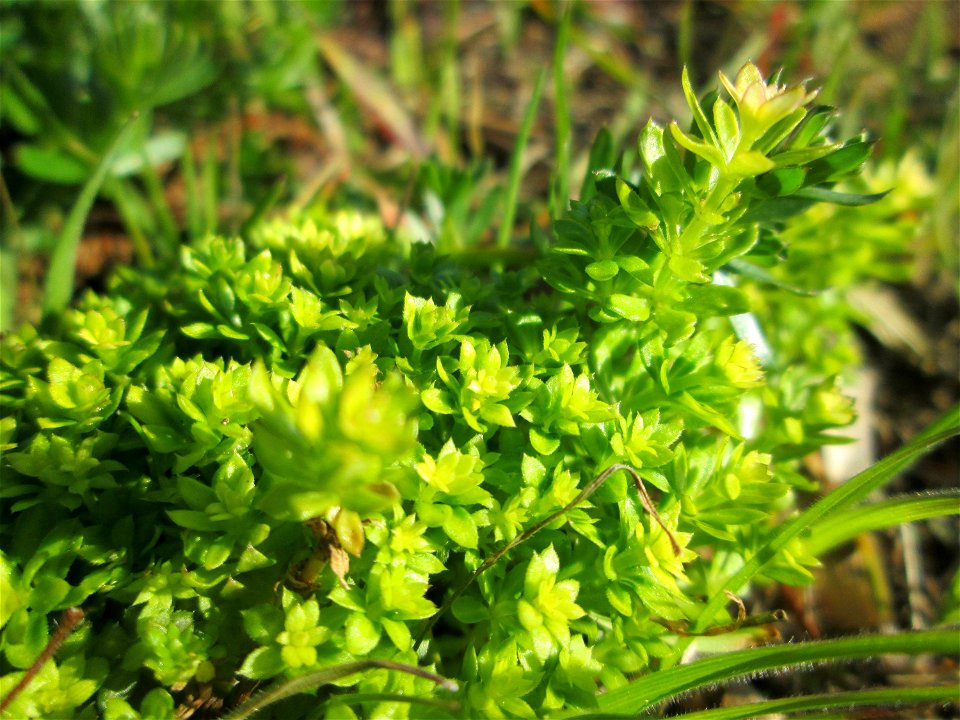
(325,453)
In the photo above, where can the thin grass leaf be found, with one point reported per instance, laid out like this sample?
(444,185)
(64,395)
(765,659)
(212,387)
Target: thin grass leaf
(655,688)
(210,189)
(450,79)
(374,93)
(516,163)
(838,198)
(560,190)
(313,680)
(158,201)
(834,531)
(8,288)
(900,697)
(848,494)
(264,205)
(755,272)
(194,207)
(133,211)
(60,278)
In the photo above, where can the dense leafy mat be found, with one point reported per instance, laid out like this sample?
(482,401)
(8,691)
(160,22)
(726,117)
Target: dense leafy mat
(297,450)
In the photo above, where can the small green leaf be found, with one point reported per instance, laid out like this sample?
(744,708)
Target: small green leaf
(460,527)
(629,307)
(497,414)
(361,634)
(687,268)
(532,470)
(50,165)
(820,194)
(468,609)
(47,594)
(542,569)
(192,519)
(664,168)
(712,300)
(839,163)
(708,152)
(543,444)
(750,164)
(728,130)
(437,401)
(781,182)
(263,663)
(398,632)
(636,209)
(620,600)
(801,157)
(603,270)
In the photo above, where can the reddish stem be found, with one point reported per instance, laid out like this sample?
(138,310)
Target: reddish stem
(71,617)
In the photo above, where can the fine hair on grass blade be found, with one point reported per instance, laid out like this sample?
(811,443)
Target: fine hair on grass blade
(516,163)
(587,491)
(900,698)
(836,530)
(848,494)
(657,687)
(313,680)
(60,277)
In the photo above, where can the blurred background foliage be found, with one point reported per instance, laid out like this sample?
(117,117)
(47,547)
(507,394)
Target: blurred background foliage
(409,108)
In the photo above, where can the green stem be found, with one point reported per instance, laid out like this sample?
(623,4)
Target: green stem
(691,234)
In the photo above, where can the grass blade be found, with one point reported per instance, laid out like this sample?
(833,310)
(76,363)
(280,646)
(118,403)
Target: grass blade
(560,188)
(61,275)
(848,494)
(264,206)
(374,93)
(194,208)
(132,210)
(313,680)
(899,697)
(658,687)
(837,530)
(161,208)
(516,163)
(211,196)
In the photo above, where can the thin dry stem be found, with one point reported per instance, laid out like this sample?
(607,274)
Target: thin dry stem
(71,617)
(587,491)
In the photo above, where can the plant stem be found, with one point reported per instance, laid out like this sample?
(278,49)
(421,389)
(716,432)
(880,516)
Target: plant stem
(591,487)
(327,675)
(692,233)
(71,617)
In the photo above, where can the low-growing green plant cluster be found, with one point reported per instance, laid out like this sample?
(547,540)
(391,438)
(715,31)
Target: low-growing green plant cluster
(308,448)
